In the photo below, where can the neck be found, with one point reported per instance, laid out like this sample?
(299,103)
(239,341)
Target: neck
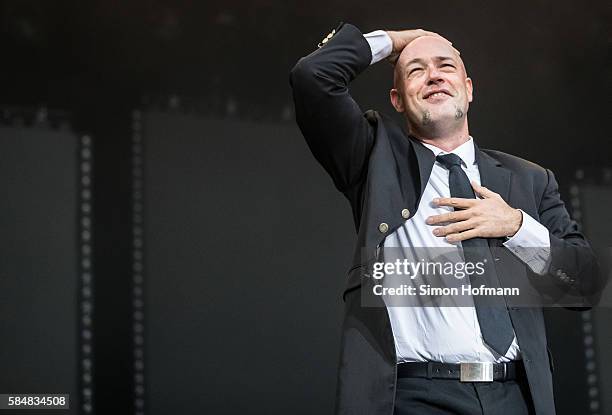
(447,140)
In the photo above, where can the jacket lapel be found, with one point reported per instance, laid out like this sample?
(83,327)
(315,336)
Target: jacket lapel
(492,174)
(425,159)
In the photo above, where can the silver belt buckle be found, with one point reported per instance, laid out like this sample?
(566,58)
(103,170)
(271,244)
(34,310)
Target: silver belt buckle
(476,372)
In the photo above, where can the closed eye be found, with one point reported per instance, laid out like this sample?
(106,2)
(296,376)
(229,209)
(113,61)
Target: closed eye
(410,72)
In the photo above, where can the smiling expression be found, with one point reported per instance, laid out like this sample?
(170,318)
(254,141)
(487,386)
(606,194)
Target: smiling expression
(431,86)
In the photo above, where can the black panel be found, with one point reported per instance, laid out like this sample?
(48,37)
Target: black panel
(247,248)
(38,263)
(596,200)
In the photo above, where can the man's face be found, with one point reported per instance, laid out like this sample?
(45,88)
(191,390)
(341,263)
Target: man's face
(431,85)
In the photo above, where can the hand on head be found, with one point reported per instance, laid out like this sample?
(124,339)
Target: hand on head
(401,39)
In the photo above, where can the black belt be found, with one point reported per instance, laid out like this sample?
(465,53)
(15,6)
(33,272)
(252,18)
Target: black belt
(465,372)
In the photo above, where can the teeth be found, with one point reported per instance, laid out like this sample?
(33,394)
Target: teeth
(437,94)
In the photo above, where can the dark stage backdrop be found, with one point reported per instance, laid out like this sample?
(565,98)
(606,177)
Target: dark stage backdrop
(246,240)
(246,248)
(595,198)
(39,320)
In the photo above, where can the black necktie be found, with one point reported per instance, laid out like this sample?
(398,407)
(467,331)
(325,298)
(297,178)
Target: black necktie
(491,310)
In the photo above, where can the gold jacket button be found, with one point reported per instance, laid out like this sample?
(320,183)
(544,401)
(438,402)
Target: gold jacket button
(383,227)
(405,213)
(327,38)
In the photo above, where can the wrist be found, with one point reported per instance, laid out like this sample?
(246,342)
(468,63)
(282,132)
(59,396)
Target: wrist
(517,222)
(392,35)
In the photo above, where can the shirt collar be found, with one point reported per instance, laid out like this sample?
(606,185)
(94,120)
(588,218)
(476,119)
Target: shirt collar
(465,151)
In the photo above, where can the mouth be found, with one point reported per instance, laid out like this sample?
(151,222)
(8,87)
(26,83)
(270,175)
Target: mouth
(437,95)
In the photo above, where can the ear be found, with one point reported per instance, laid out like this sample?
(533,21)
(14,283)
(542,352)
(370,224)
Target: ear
(396,100)
(470,89)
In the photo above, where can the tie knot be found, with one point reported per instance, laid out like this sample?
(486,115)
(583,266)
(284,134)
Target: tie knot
(449,160)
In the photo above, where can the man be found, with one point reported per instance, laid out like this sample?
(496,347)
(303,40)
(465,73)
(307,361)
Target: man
(434,188)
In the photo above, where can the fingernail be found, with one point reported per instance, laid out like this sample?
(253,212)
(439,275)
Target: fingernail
(436,232)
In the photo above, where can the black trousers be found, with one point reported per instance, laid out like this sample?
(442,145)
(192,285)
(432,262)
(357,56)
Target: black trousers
(420,396)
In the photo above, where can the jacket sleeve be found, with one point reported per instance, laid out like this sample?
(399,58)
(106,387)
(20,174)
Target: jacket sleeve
(332,123)
(573,264)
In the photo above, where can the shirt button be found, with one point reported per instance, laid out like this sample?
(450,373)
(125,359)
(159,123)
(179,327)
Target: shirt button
(405,213)
(383,227)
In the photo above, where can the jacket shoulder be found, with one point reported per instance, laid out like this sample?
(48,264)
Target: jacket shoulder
(517,164)
(529,173)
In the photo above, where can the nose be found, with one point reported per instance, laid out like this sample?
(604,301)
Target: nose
(434,76)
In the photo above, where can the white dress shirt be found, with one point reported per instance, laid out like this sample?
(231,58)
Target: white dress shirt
(448,334)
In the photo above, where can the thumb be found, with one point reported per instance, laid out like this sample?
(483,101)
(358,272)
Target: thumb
(482,191)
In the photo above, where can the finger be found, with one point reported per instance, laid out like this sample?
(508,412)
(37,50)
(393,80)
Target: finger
(454,228)
(456,202)
(428,33)
(456,216)
(462,236)
(482,191)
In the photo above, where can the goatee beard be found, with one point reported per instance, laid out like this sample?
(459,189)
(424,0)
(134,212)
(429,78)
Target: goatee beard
(426,119)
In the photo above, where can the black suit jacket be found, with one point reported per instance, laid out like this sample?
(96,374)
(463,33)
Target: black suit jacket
(382,171)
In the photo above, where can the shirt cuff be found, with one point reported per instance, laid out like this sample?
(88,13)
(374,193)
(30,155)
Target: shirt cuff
(531,244)
(380,44)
